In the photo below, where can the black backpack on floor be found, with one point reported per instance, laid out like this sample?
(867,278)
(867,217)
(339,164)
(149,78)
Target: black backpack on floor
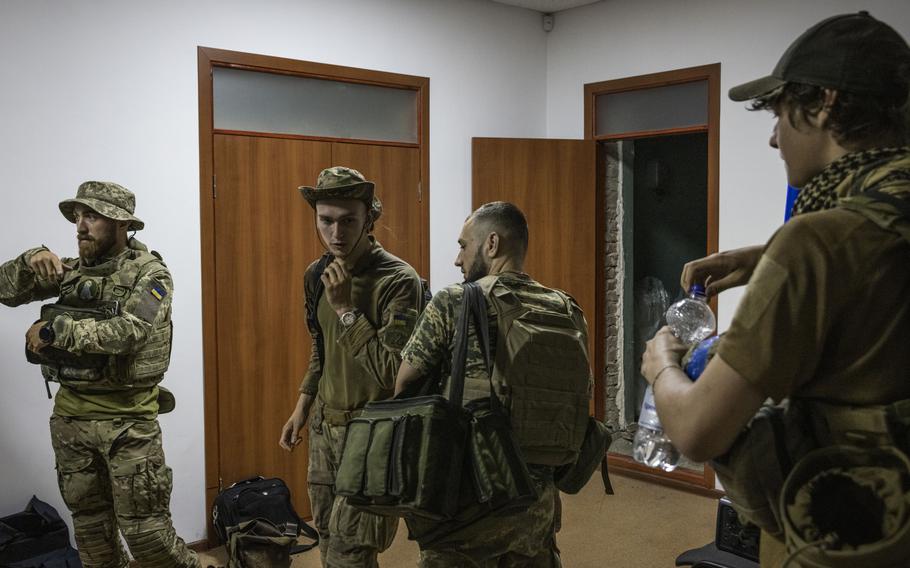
(36,538)
(263,499)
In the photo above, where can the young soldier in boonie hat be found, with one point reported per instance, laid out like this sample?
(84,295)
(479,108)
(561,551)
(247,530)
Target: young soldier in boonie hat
(106,198)
(361,304)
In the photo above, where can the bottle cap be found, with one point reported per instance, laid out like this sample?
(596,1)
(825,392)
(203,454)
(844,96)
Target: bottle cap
(697,289)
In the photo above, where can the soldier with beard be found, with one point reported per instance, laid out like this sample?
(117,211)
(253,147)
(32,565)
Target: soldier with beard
(107,343)
(493,244)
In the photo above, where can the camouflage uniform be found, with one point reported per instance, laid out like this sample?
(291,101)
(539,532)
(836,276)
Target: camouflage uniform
(104,429)
(359,365)
(524,539)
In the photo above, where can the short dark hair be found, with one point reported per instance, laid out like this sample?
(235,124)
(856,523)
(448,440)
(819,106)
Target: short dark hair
(508,221)
(864,120)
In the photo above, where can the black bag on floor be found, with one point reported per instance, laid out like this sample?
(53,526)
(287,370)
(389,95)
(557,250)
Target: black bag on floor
(264,499)
(36,538)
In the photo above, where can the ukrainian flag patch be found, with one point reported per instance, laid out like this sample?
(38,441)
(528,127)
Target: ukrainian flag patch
(158,291)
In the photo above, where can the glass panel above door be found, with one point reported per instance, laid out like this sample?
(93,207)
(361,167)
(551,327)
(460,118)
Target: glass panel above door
(255,101)
(655,109)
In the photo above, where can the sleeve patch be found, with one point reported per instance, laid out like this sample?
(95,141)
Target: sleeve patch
(150,302)
(398,329)
(767,280)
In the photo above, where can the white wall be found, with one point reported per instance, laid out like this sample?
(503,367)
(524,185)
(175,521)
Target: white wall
(624,38)
(106,89)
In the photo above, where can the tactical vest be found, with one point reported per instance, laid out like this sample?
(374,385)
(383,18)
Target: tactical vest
(540,373)
(100,287)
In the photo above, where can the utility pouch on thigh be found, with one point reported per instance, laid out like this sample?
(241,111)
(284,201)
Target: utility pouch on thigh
(846,506)
(753,470)
(258,543)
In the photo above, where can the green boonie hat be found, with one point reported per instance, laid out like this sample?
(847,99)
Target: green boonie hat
(850,52)
(105,198)
(339,182)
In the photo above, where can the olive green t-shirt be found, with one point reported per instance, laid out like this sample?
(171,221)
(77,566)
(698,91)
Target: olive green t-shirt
(361,362)
(826,314)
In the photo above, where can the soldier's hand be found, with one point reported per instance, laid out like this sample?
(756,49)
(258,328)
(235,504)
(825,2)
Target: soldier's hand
(721,270)
(662,351)
(337,281)
(32,341)
(47,266)
(290,433)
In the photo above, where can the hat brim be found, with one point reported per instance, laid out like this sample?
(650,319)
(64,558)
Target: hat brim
(755,89)
(102,208)
(361,191)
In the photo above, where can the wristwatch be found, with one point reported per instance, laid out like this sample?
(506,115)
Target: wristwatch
(46,333)
(348,318)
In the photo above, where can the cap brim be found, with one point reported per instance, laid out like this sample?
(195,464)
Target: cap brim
(106,209)
(755,89)
(362,191)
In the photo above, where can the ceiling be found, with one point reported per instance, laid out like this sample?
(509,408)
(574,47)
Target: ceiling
(547,6)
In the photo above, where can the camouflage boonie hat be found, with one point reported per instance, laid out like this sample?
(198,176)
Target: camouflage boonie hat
(106,198)
(339,182)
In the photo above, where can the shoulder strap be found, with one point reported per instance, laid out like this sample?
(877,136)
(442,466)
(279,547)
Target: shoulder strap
(314,282)
(473,310)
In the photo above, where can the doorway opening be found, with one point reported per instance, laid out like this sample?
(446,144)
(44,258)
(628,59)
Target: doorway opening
(657,141)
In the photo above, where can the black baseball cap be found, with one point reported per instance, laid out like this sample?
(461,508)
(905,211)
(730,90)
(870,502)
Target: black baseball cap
(849,52)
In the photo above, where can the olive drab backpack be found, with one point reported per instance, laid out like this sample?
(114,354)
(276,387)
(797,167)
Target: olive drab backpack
(542,374)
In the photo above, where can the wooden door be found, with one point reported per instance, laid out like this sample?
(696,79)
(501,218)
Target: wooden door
(264,235)
(396,172)
(554,183)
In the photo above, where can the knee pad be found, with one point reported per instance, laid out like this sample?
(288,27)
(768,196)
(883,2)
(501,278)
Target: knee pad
(161,548)
(99,542)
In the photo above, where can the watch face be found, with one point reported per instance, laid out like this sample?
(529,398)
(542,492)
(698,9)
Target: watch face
(46,334)
(348,318)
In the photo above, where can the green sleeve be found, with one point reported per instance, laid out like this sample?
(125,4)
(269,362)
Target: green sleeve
(377,349)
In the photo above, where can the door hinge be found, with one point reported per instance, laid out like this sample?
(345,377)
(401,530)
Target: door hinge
(214,187)
(419,192)
(220,484)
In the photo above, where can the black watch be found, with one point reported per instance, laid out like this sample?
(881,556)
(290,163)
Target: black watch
(46,333)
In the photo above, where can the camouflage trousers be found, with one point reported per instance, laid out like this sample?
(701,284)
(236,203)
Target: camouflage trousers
(114,480)
(526,539)
(347,536)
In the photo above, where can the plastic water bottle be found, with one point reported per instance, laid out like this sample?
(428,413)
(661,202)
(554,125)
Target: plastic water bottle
(691,320)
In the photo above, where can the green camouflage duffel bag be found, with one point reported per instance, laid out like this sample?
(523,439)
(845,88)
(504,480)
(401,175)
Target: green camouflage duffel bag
(404,456)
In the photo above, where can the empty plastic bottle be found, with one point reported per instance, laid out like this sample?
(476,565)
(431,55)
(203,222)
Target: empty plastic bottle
(691,320)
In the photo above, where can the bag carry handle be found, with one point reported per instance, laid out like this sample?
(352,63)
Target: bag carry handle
(309,532)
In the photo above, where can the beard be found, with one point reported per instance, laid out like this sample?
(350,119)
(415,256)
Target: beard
(91,249)
(477,270)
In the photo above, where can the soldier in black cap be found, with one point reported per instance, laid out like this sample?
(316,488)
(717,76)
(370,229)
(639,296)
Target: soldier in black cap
(824,322)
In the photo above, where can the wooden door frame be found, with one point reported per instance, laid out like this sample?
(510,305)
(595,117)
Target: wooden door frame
(208,58)
(680,479)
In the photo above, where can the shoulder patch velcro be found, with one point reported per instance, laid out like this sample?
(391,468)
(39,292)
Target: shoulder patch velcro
(150,301)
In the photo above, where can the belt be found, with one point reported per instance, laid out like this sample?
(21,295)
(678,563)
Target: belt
(334,417)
